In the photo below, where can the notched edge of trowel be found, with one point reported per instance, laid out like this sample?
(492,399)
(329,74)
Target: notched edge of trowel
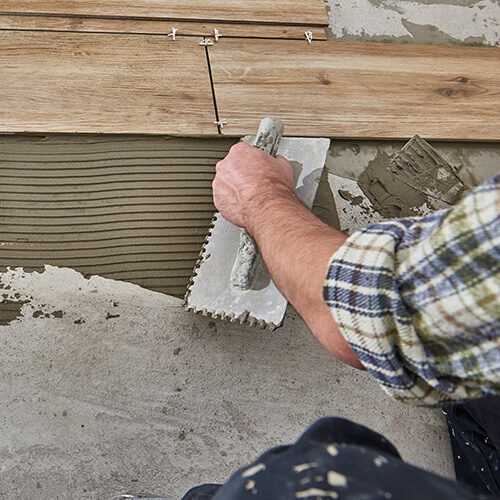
(245,318)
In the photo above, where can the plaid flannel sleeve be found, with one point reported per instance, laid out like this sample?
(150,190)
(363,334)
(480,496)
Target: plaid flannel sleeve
(418,300)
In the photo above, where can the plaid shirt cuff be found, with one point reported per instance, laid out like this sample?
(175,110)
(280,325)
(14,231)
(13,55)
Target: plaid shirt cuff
(417,299)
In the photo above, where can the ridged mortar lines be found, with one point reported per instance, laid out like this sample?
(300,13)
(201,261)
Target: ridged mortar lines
(130,208)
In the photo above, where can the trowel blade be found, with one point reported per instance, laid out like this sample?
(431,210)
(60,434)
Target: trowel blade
(210,291)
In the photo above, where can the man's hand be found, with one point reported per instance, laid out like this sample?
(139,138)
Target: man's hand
(245,179)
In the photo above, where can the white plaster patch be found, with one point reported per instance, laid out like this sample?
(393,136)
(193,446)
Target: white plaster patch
(82,299)
(67,292)
(351,216)
(362,18)
(365,18)
(458,21)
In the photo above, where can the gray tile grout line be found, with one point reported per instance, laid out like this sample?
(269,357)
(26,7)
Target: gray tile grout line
(214,99)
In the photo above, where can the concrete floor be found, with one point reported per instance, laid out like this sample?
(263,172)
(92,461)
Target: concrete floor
(114,389)
(107,388)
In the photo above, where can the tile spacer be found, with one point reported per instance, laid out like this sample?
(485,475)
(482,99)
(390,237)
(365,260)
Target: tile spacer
(309,36)
(216,34)
(220,123)
(206,41)
(172,33)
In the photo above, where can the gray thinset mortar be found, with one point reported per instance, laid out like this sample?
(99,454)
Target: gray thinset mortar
(324,204)
(131,208)
(366,191)
(137,209)
(420,166)
(390,196)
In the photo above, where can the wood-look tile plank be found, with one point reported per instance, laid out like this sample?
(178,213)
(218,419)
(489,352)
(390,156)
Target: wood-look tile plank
(256,11)
(143,26)
(359,90)
(99,83)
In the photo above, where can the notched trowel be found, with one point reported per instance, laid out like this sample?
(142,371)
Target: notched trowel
(230,281)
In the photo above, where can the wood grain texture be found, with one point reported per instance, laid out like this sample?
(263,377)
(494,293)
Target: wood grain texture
(130,208)
(80,82)
(255,11)
(142,26)
(358,90)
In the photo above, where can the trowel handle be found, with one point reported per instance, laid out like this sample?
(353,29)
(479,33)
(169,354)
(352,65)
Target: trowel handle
(269,135)
(268,139)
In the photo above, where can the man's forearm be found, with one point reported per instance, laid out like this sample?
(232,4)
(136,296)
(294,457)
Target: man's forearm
(253,190)
(296,248)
